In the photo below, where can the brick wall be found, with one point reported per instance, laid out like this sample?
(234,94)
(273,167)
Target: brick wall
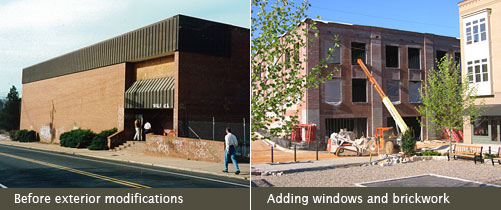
(155,68)
(91,99)
(194,149)
(214,86)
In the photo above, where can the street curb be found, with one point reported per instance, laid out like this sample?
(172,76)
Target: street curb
(342,165)
(135,162)
(317,168)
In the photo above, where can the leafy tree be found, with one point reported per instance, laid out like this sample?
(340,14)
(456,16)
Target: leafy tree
(447,101)
(279,78)
(11,112)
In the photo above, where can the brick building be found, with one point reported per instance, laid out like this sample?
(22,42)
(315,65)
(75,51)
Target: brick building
(481,51)
(398,60)
(181,74)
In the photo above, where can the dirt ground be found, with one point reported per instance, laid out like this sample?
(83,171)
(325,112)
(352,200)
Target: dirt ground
(261,153)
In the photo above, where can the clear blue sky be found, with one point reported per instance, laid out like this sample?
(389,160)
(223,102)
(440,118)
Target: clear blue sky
(427,16)
(32,31)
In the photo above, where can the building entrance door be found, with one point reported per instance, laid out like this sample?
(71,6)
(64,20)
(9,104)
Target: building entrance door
(495,129)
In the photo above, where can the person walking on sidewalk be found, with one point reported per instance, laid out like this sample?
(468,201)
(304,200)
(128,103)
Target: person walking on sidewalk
(230,142)
(137,125)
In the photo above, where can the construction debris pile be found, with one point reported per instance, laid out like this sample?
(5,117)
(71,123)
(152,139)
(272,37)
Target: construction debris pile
(388,160)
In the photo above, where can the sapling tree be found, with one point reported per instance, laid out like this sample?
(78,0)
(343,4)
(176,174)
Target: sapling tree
(279,78)
(448,101)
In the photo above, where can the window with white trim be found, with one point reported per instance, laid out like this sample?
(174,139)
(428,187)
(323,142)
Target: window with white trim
(476,31)
(478,71)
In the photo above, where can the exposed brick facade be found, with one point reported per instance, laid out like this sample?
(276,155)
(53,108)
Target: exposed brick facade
(88,100)
(316,110)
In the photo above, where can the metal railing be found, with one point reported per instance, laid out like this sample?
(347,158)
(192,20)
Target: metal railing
(212,129)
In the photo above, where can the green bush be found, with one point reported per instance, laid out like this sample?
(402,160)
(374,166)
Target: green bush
(25,136)
(79,138)
(12,135)
(430,153)
(100,141)
(489,156)
(408,142)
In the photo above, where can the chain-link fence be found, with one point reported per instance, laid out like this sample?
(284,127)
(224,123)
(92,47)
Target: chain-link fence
(212,129)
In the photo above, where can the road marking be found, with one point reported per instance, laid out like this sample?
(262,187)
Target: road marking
(3,186)
(130,166)
(364,184)
(118,181)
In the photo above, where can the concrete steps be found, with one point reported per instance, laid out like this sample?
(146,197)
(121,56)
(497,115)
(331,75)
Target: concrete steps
(132,146)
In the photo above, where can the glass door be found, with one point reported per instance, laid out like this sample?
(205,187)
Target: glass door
(495,123)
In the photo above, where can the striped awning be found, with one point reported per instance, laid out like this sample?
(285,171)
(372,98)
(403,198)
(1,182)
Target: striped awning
(151,94)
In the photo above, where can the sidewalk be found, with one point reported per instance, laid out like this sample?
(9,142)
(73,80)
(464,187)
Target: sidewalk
(139,158)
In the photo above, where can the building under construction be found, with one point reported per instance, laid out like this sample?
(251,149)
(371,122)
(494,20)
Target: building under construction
(397,59)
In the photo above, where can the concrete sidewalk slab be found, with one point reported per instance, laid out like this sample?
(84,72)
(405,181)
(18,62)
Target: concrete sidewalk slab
(138,158)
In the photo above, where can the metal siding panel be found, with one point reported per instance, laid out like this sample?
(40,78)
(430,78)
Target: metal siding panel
(112,52)
(84,58)
(149,33)
(133,45)
(155,40)
(152,41)
(118,48)
(162,37)
(165,38)
(173,33)
(126,45)
(118,51)
(145,43)
(107,49)
(158,38)
(169,35)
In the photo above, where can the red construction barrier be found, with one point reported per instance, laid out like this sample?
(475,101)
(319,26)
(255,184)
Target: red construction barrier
(311,132)
(456,135)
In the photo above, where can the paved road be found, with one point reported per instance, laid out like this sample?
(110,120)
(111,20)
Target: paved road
(29,168)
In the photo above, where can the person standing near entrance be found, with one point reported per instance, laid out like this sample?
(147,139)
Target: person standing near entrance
(147,127)
(230,142)
(137,125)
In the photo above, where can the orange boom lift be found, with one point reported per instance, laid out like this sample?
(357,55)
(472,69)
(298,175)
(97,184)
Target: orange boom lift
(379,140)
